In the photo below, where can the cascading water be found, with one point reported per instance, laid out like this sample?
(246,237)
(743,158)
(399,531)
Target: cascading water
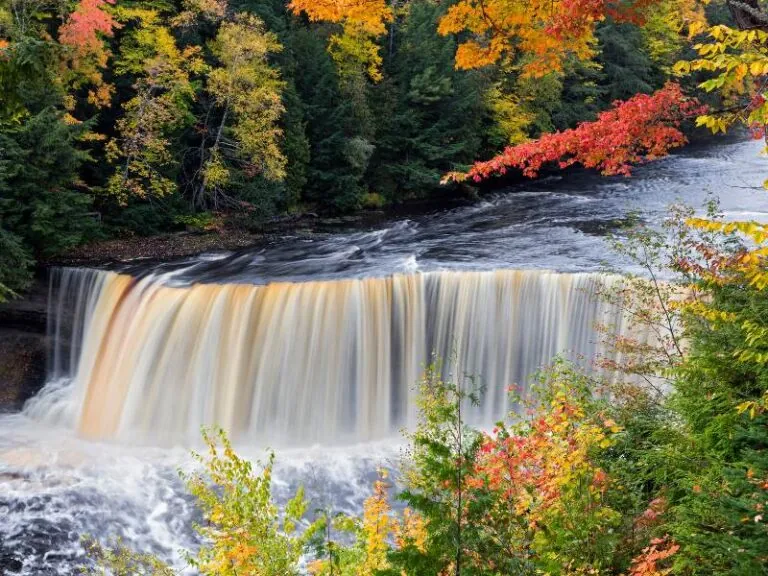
(141,363)
(304,362)
(72,296)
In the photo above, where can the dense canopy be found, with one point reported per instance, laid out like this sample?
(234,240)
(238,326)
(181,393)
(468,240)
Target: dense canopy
(219,114)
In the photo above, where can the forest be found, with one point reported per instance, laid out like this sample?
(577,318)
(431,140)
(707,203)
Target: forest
(135,118)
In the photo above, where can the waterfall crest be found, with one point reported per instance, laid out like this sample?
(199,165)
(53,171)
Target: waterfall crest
(303,362)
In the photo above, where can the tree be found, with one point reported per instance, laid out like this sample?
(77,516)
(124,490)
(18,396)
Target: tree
(15,265)
(664,28)
(546,33)
(42,200)
(163,93)
(338,157)
(580,94)
(83,34)
(703,457)
(737,61)
(244,532)
(639,129)
(44,204)
(362,20)
(721,394)
(296,145)
(357,59)
(367,555)
(247,93)
(551,511)
(86,23)
(433,117)
(117,559)
(626,65)
(29,61)
(369,15)
(437,470)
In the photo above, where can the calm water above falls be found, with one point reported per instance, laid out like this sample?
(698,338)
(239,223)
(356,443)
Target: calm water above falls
(552,224)
(56,486)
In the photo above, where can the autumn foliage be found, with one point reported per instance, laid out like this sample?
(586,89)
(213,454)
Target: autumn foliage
(642,128)
(654,560)
(544,31)
(370,15)
(86,23)
(534,466)
(362,22)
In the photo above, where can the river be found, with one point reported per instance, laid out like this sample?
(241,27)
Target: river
(310,345)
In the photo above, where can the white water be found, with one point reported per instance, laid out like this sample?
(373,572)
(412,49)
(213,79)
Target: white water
(56,485)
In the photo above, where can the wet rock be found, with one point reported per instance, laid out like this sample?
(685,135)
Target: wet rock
(23,346)
(9,564)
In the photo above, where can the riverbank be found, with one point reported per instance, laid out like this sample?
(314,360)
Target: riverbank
(159,247)
(229,237)
(232,235)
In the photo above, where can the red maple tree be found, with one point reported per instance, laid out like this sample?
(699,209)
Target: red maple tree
(82,28)
(643,128)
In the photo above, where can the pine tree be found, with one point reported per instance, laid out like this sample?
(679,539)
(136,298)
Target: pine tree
(337,163)
(15,265)
(721,494)
(41,198)
(437,470)
(627,69)
(431,113)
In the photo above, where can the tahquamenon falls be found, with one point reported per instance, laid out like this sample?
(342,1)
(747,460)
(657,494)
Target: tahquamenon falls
(304,362)
(312,347)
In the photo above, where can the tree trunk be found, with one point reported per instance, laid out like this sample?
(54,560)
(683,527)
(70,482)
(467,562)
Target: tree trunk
(200,196)
(748,14)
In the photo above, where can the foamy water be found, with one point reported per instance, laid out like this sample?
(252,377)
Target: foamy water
(57,488)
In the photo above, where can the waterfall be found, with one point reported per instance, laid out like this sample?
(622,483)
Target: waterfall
(72,296)
(302,362)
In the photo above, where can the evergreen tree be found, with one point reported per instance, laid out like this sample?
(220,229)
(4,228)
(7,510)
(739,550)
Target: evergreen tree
(15,264)
(337,160)
(579,99)
(431,113)
(296,145)
(719,513)
(627,68)
(41,198)
(441,460)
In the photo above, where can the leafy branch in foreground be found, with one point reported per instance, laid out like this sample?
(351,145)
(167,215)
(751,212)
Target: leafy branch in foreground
(244,531)
(117,559)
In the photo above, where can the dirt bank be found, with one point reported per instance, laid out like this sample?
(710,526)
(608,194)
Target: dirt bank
(162,247)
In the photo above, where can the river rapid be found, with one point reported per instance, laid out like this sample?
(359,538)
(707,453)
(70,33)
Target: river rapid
(62,477)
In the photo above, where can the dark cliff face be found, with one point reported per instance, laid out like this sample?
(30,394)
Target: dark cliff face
(23,346)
